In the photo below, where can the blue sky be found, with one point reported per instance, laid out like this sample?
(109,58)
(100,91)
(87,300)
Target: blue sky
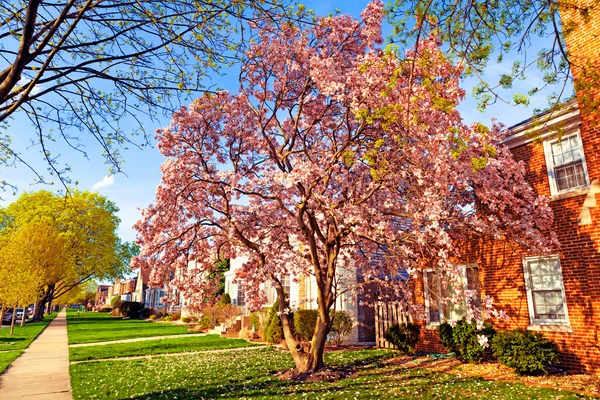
(136,187)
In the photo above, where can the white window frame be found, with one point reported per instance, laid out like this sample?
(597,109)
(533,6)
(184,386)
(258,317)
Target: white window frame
(540,321)
(550,164)
(463,268)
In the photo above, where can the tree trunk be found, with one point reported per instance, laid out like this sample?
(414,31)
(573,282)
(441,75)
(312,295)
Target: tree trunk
(38,312)
(308,358)
(40,305)
(12,321)
(49,298)
(24,316)
(49,306)
(1,315)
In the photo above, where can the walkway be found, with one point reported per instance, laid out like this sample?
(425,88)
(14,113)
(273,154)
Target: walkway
(137,339)
(42,371)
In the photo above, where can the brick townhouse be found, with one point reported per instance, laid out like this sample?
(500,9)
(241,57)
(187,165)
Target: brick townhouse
(556,294)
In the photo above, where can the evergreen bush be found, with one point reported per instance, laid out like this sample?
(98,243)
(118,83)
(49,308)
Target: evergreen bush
(273,331)
(527,352)
(404,336)
(304,324)
(462,340)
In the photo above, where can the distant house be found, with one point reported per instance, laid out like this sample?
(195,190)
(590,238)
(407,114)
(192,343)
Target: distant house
(302,295)
(102,296)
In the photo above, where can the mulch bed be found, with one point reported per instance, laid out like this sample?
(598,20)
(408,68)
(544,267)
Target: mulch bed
(556,378)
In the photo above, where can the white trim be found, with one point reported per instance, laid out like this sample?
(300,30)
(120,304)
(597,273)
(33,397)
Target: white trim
(536,322)
(547,125)
(549,328)
(550,165)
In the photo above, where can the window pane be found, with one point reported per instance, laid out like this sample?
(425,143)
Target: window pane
(432,292)
(570,176)
(547,289)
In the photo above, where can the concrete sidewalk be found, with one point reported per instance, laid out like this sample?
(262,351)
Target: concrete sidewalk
(42,371)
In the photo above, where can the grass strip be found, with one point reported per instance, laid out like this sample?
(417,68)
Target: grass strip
(23,335)
(153,347)
(7,357)
(91,327)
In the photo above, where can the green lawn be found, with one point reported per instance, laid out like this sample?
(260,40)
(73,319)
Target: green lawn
(7,357)
(90,327)
(161,346)
(11,346)
(250,374)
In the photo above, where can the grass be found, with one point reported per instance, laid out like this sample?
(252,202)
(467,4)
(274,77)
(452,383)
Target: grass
(11,347)
(7,357)
(92,327)
(251,374)
(160,346)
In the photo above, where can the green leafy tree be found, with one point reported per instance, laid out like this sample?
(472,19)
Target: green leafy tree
(87,225)
(31,256)
(477,32)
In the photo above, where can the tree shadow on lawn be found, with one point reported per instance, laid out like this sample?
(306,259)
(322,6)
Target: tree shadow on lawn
(358,381)
(276,388)
(10,340)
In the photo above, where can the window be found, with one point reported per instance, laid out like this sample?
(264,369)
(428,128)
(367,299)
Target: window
(439,310)
(566,164)
(241,300)
(545,290)
(285,282)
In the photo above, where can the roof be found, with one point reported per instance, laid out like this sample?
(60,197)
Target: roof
(545,124)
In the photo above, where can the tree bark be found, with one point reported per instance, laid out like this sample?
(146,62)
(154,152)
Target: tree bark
(24,316)
(12,321)
(40,305)
(1,315)
(308,358)
(49,298)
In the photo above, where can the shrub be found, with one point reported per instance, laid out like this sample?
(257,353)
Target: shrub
(462,340)
(273,332)
(130,309)
(445,334)
(258,319)
(186,319)
(228,313)
(342,326)
(167,318)
(205,322)
(106,309)
(304,323)
(245,333)
(527,352)
(176,316)
(116,305)
(145,313)
(403,336)
(153,317)
(225,298)
(114,300)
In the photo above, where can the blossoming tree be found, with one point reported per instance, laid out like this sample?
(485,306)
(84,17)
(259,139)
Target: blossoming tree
(335,155)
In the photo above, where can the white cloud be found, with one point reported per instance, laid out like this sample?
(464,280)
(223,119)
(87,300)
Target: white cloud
(106,181)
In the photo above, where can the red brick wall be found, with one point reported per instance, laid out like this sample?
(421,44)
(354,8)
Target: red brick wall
(501,268)
(500,265)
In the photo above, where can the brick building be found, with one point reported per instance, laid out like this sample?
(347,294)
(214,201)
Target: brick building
(556,294)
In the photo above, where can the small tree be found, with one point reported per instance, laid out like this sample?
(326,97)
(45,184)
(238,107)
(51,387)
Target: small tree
(341,327)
